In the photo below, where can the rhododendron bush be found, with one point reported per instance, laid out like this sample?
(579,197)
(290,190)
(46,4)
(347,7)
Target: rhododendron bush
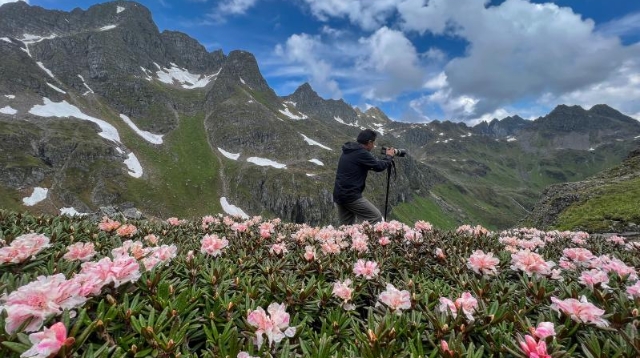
(231,287)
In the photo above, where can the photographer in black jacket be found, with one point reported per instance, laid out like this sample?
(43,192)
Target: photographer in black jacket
(354,165)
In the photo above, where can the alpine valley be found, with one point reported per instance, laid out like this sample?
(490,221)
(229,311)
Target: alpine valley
(100,109)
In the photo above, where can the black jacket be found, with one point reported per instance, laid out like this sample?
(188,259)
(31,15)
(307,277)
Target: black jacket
(355,162)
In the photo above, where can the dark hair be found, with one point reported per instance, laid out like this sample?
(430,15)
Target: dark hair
(366,136)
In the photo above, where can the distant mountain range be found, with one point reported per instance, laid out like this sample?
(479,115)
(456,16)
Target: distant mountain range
(98,108)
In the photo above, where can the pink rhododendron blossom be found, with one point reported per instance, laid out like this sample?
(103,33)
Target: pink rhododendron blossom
(245,355)
(482,263)
(45,297)
(580,311)
(447,306)
(530,263)
(360,243)
(174,221)
(395,299)
(544,330)
(127,230)
(466,302)
(278,249)
(160,255)
(309,253)
(423,226)
(90,285)
(80,251)
(130,248)
(23,247)
(620,268)
(151,239)
(239,227)
(533,349)
(275,325)
(618,240)
(413,236)
(472,231)
(368,269)
(384,241)
(213,245)
(330,247)
(634,290)
(48,342)
(578,255)
(108,225)
(593,277)
(125,269)
(208,220)
(343,291)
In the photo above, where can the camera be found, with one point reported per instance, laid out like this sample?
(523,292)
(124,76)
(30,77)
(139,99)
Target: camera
(397,152)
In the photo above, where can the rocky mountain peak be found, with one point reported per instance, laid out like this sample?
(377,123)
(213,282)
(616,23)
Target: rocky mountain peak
(189,53)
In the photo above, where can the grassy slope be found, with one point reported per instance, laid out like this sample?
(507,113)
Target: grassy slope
(181,175)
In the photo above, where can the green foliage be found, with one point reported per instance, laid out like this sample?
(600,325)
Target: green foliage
(613,202)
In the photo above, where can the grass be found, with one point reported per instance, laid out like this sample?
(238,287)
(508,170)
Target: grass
(422,208)
(614,202)
(181,175)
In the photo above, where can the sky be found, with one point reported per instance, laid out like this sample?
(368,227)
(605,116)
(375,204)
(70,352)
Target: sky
(425,60)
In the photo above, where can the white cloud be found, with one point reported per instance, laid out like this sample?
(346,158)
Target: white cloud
(231,7)
(390,54)
(367,14)
(307,51)
(2,2)
(626,25)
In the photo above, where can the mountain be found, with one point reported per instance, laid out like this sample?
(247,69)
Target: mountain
(606,202)
(98,108)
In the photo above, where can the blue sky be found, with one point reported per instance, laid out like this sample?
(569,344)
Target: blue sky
(418,60)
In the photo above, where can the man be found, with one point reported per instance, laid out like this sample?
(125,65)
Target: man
(354,165)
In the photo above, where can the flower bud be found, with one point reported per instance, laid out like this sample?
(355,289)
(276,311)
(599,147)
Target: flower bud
(111,300)
(372,336)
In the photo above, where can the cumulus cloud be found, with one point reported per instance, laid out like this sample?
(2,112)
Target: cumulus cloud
(2,2)
(307,51)
(230,7)
(391,55)
(367,14)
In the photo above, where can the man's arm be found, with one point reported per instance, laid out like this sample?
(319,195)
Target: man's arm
(368,160)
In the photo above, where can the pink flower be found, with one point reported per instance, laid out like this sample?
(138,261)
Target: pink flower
(125,269)
(48,342)
(580,311)
(360,243)
(618,240)
(160,255)
(530,263)
(534,349)
(395,299)
(275,325)
(384,241)
(47,296)
(468,304)
(483,263)
(278,249)
(578,255)
(80,251)
(440,254)
(544,330)
(245,355)
(368,269)
(342,290)
(23,247)
(126,230)
(174,221)
(213,245)
(151,239)
(133,248)
(445,346)
(634,291)
(593,277)
(447,306)
(423,226)
(309,253)
(413,236)
(108,225)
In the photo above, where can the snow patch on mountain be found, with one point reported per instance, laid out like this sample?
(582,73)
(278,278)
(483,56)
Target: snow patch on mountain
(187,79)
(232,156)
(313,142)
(8,110)
(316,161)
(148,136)
(232,209)
(266,162)
(38,195)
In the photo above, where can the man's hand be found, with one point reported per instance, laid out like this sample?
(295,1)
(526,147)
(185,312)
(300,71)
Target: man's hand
(391,152)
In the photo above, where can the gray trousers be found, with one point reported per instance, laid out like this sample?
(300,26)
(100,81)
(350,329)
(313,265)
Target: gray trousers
(362,209)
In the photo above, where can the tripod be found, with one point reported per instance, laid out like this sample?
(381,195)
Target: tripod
(386,200)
